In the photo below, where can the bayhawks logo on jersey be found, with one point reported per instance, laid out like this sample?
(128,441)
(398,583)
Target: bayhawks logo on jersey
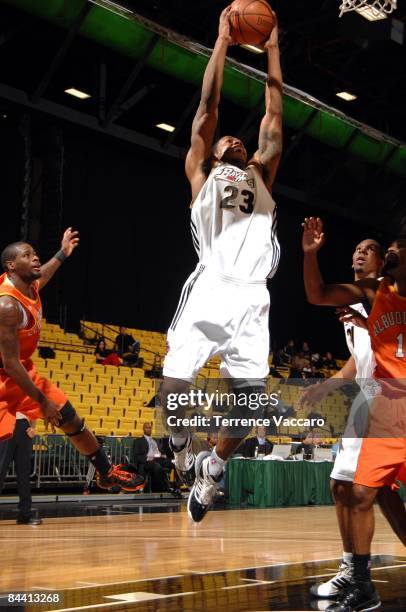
(228,173)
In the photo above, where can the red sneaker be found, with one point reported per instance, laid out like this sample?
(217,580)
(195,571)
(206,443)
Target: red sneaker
(119,478)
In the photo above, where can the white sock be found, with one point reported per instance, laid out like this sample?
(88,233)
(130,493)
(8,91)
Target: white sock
(347,557)
(178,441)
(216,465)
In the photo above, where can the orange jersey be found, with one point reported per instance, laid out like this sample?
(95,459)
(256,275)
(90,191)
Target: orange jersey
(29,335)
(387,329)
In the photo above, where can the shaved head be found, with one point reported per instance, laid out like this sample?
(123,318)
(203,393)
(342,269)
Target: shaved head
(10,253)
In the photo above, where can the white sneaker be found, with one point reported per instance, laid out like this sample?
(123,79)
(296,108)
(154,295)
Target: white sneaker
(337,584)
(204,490)
(184,461)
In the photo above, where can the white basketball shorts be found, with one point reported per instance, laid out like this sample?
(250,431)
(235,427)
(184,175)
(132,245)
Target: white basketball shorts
(219,315)
(346,461)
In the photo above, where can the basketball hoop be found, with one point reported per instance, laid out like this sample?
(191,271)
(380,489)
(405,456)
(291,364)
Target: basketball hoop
(371,9)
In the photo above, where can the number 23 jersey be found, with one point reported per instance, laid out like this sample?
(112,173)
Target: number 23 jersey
(233,223)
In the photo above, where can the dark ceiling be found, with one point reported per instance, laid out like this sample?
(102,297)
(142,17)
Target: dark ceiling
(321,55)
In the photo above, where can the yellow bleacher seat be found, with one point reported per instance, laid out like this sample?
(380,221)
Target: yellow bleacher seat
(122,402)
(93,422)
(66,386)
(127,392)
(103,379)
(111,370)
(88,359)
(147,383)
(112,393)
(109,423)
(82,387)
(97,388)
(100,411)
(146,414)
(88,375)
(69,368)
(74,377)
(142,395)
(90,398)
(126,423)
(117,412)
(135,373)
(75,357)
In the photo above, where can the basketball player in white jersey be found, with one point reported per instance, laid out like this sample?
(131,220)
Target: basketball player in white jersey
(367,262)
(224,304)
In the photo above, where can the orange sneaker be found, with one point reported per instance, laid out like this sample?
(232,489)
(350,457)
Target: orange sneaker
(119,478)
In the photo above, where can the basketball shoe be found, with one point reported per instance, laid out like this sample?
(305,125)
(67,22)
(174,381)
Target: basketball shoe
(118,478)
(184,461)
(335,586)
(360,596)
(203,492)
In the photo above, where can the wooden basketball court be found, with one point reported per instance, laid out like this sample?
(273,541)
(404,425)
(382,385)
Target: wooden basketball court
(132,559)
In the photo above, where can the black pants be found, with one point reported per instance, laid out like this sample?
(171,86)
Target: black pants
(157,470)
(19,448)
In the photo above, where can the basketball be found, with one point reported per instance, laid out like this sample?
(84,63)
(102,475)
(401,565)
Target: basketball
(251,21)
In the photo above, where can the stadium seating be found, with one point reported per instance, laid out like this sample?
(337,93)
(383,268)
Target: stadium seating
(114,399)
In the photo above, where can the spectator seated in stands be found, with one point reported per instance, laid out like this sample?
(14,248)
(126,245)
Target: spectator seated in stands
(104,356)
(329,362)
(127,347)
(306,350)
(123,341)
(299,362)
(148,460)
(315,373)
(132,358)
(316,360)
(288,352)
(258,445)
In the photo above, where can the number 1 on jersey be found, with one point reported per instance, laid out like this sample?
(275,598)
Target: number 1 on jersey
(400,352)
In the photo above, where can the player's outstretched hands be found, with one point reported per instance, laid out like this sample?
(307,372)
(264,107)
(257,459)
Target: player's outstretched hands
(273,40)
(349,315)
(314,394)
(313,236)
(50,410)
(70,241)
(225,26)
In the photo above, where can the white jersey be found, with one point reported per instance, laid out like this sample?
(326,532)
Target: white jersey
(233,224)
(359,345)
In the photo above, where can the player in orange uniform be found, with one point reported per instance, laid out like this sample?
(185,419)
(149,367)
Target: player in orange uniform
(22,389)
(383,453)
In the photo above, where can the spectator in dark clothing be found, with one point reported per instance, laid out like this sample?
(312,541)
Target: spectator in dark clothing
(299,362)
(19,449)
(329,362)
(306,350)
(104,356)
(288,352)
(148,460)
(123,342)
(258,445)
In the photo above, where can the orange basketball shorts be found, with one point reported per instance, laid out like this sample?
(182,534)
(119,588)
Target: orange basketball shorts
(383,453)
(13,399)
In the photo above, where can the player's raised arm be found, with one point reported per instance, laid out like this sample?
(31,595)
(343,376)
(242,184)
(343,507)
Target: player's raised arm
(70,241)
(270,133)
(205,121)
(317,291)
